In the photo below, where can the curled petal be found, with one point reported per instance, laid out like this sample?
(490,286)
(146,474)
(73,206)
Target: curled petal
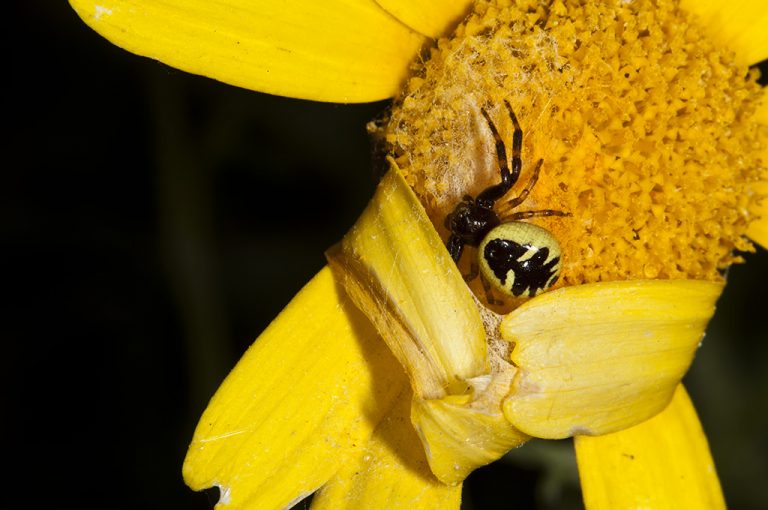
(395,267)
(597,358)
(433,18)
(661,463)
(397,271)
(737,24)
(336,50)
(390,472)
(312,387)
(460,435)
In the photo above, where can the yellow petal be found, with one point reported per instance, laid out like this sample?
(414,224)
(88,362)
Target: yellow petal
(334,50)
(391,472)
(305,396)
(597,358)
(433,18)
(459,437)
(736,24)
(661,463)
(397,270)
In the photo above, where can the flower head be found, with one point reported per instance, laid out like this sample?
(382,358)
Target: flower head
(646,130)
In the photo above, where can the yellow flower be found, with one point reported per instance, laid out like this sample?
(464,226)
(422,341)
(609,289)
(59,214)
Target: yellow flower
(651,141)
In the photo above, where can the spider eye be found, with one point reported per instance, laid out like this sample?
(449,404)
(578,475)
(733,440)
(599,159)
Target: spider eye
(520,258)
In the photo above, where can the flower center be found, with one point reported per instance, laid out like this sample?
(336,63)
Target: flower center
(645,127)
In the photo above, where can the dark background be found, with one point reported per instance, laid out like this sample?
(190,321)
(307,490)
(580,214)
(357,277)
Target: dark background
(153,223)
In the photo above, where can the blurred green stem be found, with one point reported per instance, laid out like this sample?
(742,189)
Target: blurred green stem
(187,238)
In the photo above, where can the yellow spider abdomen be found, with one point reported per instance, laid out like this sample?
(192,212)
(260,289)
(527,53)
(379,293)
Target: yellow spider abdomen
(519,258)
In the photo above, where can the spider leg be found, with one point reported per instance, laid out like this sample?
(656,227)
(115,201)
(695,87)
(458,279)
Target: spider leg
(492,193)
(489,292)
(455,246)
(524,215)
(528,187)
(474,270)
(517,143)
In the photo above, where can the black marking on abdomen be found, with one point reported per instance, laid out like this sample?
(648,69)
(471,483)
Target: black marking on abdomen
(504,255)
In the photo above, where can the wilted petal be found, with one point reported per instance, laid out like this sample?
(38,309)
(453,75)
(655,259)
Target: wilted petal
(461,434)
(397,271)
(396,268)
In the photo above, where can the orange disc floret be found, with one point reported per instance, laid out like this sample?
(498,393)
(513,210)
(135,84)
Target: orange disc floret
(646,129)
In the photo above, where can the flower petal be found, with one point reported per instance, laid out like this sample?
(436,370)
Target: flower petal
(737,24)
(459,437)
(601,357)
(335,50)
(397,271)
(391,472)
(432,18)
(303,398)
(661,463)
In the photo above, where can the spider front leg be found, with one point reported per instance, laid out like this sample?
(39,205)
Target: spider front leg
(455,247)
(517,143)
(508,178)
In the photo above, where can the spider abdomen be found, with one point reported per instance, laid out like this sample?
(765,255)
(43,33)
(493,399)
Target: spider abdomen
(519,258)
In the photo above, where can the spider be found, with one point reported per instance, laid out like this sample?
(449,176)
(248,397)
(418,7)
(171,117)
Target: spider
(514,257)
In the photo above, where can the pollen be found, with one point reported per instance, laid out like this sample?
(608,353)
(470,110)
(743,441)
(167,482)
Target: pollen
(647,130)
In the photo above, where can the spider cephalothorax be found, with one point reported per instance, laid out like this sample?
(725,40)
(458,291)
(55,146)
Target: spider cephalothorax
(515,257)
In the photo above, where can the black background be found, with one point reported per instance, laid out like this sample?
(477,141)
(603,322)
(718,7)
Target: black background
(153,223)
